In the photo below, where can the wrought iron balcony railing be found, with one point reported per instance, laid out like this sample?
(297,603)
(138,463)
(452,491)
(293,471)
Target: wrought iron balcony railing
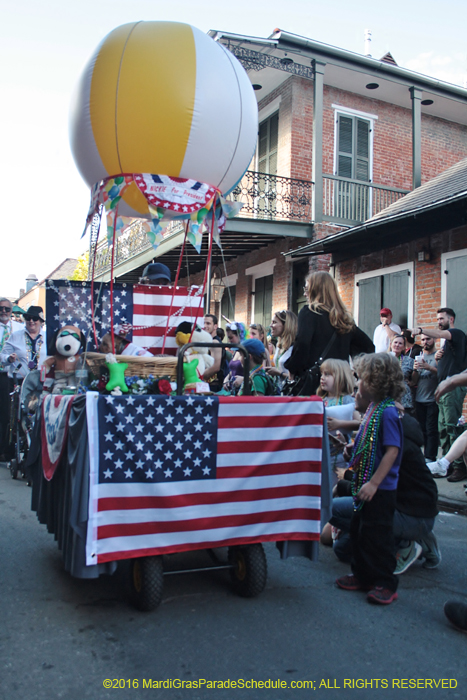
(352,202)
(272,197)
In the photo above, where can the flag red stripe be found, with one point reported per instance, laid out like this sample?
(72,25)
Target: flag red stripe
(237,400)
(159,527)
(267,469)
(265,446)
(162,310)
(279,421)
(192,546)
(190,499)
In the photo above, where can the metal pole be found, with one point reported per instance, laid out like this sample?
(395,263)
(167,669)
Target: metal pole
(208,288)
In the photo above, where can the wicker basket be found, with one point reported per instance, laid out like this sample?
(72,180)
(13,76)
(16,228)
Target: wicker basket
(158,366)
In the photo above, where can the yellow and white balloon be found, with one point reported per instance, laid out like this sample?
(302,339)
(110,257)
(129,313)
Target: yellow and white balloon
(163,98)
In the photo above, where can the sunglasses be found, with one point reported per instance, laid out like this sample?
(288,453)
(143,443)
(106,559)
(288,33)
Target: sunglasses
(6,308)
(65,333)
(27,317)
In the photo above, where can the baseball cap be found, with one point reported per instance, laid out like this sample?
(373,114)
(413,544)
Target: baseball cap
(156,271)
(254,346)
(385,312)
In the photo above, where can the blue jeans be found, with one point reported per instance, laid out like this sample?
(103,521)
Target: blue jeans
(406,527)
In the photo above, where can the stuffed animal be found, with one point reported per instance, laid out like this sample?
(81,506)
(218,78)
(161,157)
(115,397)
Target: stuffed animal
(64,348)
(182,336)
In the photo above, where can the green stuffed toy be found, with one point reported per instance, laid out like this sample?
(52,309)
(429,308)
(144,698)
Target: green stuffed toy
(190,374)
(117,376)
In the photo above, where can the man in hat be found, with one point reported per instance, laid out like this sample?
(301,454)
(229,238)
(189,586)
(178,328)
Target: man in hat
(7,327)
(386,331)
(155,273)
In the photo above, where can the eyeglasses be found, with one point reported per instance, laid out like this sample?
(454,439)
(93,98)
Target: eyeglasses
(27,317)
(6,308)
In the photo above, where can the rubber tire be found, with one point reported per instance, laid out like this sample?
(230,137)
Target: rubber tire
(146,582)
(14,469)
(250,571)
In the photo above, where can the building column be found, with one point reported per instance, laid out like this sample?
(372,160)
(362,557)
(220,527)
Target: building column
(416,97)
(317,143)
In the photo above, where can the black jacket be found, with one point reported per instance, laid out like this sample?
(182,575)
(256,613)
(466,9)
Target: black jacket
(314,333)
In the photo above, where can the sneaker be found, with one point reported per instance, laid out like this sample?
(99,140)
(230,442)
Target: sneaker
(406,557)
(430,551)
(458,474)
(381,596)
(437,469)
(456,614)
(349,582)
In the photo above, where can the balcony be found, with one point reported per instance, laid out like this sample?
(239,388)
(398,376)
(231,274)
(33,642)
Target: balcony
(273,198)
(351,202)
(265,198)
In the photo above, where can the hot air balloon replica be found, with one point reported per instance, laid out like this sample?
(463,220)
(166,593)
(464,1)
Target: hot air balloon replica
(163,126)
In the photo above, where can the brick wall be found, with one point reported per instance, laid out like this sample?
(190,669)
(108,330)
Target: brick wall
(443,143)
(282,277)
(427,291)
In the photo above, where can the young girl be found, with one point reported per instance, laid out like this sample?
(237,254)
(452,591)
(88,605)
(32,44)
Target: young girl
(336,389)
(376,459)
(259,332)
(284,328)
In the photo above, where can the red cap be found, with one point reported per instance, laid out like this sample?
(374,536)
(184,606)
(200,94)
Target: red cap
(385,312)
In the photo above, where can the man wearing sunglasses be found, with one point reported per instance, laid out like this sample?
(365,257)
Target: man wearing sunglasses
(7,327)
(26,349)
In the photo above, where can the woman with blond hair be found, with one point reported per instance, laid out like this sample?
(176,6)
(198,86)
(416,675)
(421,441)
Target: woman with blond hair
(284,329)
(325,329)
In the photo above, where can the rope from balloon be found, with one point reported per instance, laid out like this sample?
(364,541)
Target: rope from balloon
(112,331)
(175,287)
(211,239)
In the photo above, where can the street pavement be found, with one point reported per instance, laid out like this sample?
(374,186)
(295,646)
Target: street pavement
(62,637)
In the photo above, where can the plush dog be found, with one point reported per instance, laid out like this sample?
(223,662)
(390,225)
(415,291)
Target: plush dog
(65,348)
(182,336)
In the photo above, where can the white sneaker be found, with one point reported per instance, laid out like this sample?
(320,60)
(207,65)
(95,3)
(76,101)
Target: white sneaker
(437,469)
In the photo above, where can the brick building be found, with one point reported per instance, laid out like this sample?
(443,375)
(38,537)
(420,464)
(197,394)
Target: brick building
(411,257)
(341,138)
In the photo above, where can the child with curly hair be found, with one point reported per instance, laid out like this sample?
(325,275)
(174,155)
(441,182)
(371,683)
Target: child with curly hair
(375,461)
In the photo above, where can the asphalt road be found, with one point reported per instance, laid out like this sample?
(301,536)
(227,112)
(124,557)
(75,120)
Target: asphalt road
(62,637)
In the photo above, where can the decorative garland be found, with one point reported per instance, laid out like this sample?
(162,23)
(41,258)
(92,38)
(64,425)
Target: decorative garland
(364,452)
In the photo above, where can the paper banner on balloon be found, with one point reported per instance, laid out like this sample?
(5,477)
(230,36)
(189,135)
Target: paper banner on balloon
(93,206)
(195,232)
(181,196)
(155,228)
(112,193)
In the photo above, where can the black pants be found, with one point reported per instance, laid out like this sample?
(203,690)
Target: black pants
(427,416)
(372,538)
(4,412)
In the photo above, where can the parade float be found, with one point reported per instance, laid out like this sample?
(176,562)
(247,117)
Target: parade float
(163,126)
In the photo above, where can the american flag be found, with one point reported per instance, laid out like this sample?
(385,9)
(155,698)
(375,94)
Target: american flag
(172,474)
(146,307)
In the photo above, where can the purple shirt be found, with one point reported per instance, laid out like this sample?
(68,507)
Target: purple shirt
(390,435)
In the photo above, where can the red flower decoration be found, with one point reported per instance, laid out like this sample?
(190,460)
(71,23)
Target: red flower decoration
(164,387)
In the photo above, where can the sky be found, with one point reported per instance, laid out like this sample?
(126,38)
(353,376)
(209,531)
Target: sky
(44,47)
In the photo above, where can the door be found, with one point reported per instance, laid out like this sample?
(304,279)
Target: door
(263,300)
(353,162)
(390,290)
(456,289)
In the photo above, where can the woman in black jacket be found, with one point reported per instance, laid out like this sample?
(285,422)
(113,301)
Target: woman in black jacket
(325,317)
